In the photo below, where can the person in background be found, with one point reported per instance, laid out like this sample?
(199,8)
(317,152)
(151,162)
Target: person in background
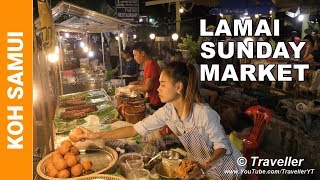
(241,129)
(309,47)
(314,34)
(314,55)
(293,38)
(196,125)
(151,74)
(170,55)
(129,66)
(179,57)
(163,54)
(114,52)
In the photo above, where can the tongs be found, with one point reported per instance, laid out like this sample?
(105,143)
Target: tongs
(153,158)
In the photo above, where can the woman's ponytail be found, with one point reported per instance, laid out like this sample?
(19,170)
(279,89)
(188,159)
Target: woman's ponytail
(186,74)
(192,93)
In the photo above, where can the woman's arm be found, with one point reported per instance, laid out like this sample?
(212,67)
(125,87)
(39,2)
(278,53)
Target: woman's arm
(308,51)
(309,57)
(120,133)
(146,87)
(148,124)
(216,134)
(135,82)
(217,153)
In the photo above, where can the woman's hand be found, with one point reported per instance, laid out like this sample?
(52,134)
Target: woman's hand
(134,83)
(87,134)
(133,88)
(206,165)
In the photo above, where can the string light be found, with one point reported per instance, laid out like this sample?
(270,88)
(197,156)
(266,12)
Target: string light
(152,36)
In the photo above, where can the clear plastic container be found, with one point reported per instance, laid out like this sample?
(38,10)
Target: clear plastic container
(129,162)
(139,174)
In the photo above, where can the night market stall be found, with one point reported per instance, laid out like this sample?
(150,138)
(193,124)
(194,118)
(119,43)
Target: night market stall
(112,132)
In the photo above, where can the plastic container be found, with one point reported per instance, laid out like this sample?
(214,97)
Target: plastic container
(129,162)
(139,174)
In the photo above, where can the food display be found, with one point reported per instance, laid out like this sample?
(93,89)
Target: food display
(72,101)
(73,108)
(186,169)
(65,162)
(78,111)
(74,133)
(75,163)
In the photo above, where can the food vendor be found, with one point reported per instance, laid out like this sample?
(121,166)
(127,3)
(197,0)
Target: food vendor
(196,124)
(129,65)
(151,74)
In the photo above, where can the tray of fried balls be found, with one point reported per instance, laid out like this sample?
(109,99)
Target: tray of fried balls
(68,162)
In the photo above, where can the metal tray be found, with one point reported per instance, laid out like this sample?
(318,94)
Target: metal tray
(103,160)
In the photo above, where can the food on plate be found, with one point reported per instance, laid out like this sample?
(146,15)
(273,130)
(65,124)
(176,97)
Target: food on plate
(77,170)
(63,150)
(72,161)
(49,167)
(63,174)
(87,165)
(73,136)
(74,150)
(53,173)
(73,102)
(69,154)
(67,143)
(65,161)
(80,107)
(60,164)
(81,113)
(73,114)
(78,131)
(186,168)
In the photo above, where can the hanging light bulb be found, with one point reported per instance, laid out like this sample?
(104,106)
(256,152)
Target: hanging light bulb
(134,36)
(85,49)
(82,44)
(90,54)
(56,50)
(52,57)
(175,36)
(152,36)
(300,17)
(67,35)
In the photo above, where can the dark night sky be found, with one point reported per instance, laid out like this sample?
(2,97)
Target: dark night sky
(189,24)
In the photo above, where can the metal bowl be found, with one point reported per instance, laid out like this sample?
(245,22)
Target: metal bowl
(166,169)
(83,71)
(170,155)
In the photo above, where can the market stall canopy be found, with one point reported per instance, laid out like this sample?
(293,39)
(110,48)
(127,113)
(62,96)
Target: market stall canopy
(241,7)
(210,3)
(73,18)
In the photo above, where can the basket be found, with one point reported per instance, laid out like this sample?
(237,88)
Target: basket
(41,166)
(103,177)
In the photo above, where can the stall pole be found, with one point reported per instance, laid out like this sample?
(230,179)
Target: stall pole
(120,59)
(102,48)
(60,64)
(178,17)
